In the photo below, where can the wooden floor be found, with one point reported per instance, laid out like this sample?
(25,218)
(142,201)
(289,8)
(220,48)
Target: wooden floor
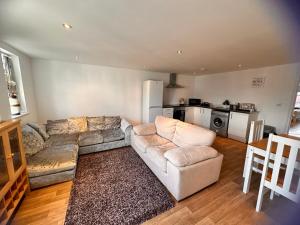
(221,203)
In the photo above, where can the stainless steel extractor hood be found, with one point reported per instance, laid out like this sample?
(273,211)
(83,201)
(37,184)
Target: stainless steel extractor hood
(173,79)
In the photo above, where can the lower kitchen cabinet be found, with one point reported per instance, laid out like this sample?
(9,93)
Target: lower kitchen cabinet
(168,112)
(239,125)
(189,114)
(198,116)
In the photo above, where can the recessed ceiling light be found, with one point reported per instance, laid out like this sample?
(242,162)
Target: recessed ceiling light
(179,52)
(240,65)
(202,69)
(67,26)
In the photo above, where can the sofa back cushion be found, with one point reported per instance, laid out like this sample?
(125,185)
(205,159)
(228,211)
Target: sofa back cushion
(95,123)
(77,124)
(190,135)
(41,129)
(145,129)
(33,142)
(112,122)
(165,127)
(57,127)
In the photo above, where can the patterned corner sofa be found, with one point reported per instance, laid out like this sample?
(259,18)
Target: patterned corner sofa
(52,149)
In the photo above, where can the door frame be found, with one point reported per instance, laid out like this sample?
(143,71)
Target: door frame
(292,104)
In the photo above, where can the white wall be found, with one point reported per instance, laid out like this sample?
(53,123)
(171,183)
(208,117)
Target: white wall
(68,89)
(273,101)
(28,87)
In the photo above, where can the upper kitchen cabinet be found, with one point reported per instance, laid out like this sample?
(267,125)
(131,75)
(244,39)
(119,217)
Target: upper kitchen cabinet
(202,116)
(239,125)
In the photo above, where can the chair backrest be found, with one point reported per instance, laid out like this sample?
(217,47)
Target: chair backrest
(287,188)
(256,131)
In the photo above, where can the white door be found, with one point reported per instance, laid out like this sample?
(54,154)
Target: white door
(237,128)
(205,115)
(153,112)
(168,112)
(197,116)
(156,93)
(189,115)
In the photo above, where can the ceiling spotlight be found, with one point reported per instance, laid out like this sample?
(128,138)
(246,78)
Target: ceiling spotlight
(202,69)
(240,65)
(67,26)
(179,52)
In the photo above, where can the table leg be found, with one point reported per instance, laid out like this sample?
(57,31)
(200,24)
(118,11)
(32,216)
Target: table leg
(248,173)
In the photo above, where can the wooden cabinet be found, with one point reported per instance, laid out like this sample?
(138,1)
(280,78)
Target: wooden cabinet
(13,176)
(168,112)
(239,125)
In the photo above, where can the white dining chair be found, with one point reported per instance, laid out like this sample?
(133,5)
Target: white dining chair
(283,186)
(255,134)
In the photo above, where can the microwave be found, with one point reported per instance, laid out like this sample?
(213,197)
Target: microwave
(194,101)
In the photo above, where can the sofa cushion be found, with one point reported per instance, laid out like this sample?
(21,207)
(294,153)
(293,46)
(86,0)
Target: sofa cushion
(112,135)
(62,139)
(90,138)
(52,160)
(41,129)
(77,124)
(145,129)
(190,155)
(143,142)
(156,154)
(190,135)
(95,123)
(32,140)
(165,127)
(112,122)
(57,127)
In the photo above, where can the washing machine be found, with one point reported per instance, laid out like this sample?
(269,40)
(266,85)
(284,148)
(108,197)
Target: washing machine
(219,122)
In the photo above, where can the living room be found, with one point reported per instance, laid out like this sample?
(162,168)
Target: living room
(79,79)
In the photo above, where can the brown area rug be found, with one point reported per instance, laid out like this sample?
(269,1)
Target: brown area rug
(115,187)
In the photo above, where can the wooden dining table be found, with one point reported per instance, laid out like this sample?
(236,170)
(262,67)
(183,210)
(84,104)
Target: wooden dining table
(259,148)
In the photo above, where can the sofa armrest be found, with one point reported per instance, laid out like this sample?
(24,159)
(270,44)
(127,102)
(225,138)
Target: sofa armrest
(126,127)
(145,129)
(190,155)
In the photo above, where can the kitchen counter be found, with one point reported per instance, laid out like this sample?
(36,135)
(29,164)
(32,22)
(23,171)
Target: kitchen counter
(213,108)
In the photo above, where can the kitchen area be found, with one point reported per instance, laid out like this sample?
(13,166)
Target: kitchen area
(227,120)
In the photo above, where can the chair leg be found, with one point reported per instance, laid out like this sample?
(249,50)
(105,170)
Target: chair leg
(248,173)
(246,162)
(260,197)
(272,195)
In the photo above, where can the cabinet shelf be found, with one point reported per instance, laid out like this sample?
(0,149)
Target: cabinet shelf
(12,157)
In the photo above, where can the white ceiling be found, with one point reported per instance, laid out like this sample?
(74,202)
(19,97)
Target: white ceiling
(140,34)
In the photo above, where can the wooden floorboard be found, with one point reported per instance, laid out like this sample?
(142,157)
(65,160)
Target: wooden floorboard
(220,203)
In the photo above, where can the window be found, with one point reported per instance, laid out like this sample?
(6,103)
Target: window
(297,103)
(12,73)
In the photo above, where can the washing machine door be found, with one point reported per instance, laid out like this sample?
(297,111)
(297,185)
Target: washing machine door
(218,122)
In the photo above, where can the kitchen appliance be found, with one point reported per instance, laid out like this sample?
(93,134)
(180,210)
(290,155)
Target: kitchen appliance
(173,81)
(205,104)
(194,101)
(219,121)
(152,100)
(247,106)
(179,113)
(181,101)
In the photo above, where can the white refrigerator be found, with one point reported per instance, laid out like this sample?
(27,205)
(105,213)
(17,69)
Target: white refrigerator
(152,100)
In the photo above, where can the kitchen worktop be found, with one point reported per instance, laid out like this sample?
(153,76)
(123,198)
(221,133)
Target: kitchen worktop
(213,108)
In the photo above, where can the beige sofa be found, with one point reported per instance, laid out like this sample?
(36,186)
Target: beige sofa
(179,154)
